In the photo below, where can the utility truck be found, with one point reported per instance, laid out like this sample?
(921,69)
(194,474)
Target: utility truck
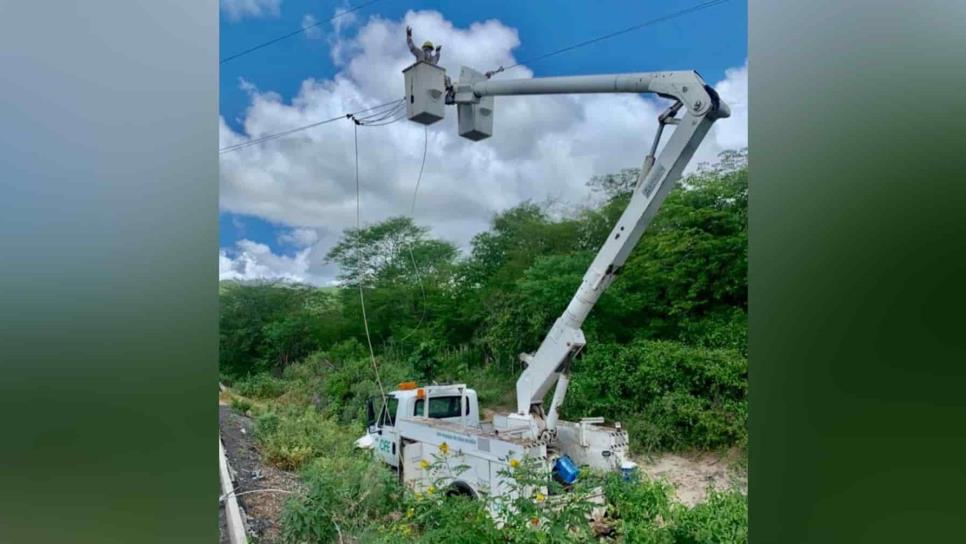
(413,423)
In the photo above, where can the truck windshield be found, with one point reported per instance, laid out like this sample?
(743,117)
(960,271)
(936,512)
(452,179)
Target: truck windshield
(389,416)
(441,407)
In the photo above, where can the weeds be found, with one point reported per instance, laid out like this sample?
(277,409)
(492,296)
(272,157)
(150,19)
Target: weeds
(349,497)
(345,495)
(292,437)
(241,404)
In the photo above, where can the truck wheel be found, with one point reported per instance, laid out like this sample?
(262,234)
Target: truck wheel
(460,489)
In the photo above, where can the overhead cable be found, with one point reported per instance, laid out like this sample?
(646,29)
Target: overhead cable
(268,137)
(295,32)
(674,15)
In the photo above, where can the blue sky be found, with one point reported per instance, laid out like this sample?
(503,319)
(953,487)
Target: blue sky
(711,41)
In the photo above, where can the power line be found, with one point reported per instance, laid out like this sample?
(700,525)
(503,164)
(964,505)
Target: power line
(362,298)
(383,118)
(273,136)
(295,32)
(412,216)
(663,18)
(389,117)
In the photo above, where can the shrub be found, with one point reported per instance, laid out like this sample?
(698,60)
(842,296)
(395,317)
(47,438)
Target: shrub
(723,329)
(669,395)
(345,494)
(240,404)
(721,519)
(290,437)
(261,386)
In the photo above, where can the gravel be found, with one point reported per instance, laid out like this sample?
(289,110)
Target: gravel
(262,509)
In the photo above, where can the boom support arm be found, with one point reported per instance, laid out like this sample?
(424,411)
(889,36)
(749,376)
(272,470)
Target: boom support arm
(550,364)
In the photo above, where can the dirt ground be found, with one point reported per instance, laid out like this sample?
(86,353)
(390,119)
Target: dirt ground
(262,509)
(692,473)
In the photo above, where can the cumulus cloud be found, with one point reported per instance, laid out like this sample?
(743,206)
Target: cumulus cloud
(542,148)
(250,260)
(732,133)
(236,10)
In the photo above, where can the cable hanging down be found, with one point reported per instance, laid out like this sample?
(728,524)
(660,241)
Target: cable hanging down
(362,298)
(412,216)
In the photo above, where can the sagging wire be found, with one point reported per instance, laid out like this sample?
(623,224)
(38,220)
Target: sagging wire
(380,115)
(412,216)
(362,297)
(395,119)
(376,110)
(382,118)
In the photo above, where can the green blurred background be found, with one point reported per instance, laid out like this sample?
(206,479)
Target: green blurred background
(108,274)
(857,219)
(108,271)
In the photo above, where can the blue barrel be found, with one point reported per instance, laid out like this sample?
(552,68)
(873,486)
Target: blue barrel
(566,470)
(629,471)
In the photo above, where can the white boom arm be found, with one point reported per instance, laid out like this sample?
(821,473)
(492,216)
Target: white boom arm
(473,94)
(550,364)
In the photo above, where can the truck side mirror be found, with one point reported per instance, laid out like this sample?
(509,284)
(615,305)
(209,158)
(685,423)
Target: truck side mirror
(370,414)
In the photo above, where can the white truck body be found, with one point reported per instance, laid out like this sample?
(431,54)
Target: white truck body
(416,429)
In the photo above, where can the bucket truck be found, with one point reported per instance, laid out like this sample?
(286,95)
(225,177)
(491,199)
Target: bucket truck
(414,423)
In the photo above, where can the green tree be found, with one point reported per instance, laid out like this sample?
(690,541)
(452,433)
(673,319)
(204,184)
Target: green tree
(266,326)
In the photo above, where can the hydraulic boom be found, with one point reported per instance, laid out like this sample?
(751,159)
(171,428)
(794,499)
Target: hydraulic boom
(549,365)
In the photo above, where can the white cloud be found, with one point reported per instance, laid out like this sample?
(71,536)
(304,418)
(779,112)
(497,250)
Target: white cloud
(732,133)
(542,148)
(253,261)
(253,9)
(299,237)
(343,18)
(311,26)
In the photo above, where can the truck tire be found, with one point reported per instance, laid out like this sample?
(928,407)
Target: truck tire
(460,489)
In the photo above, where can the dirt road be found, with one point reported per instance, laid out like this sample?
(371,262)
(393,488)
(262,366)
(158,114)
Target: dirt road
(262,509)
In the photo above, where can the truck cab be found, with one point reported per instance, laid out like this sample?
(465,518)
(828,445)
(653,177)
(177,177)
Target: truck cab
(453,403)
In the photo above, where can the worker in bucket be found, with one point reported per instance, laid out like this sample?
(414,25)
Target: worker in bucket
(427,53)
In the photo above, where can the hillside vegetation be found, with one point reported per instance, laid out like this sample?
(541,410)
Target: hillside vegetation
(666,353)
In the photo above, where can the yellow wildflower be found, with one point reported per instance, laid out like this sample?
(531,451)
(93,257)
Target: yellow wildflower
(431,490)
(540,497)
(514,463)
(444,447)
(424,464)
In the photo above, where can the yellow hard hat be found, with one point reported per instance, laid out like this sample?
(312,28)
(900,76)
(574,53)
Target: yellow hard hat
(427,45)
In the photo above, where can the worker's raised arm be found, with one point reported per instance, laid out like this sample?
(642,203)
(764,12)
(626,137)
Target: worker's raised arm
(412,46)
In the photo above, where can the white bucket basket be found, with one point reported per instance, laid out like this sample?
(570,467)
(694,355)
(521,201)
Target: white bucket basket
(475,120)
(425,92)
